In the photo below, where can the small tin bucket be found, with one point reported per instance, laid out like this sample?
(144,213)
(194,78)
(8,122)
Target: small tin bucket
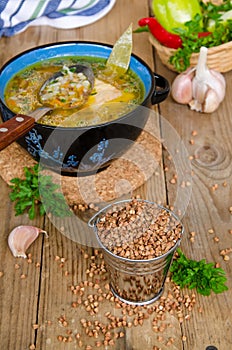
(136,282)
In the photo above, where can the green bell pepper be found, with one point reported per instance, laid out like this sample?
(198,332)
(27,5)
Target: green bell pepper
(174,13)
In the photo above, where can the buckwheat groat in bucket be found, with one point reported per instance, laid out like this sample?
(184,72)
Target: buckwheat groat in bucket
(139,239)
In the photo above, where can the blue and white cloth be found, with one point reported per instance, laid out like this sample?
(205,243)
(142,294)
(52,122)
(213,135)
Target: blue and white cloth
(17,15)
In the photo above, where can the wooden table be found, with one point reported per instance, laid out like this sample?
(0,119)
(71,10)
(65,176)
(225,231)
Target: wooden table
(38,306)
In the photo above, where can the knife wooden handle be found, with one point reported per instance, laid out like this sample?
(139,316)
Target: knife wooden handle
(14,128)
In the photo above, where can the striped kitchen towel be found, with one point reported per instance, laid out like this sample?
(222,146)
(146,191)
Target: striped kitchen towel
(17,15)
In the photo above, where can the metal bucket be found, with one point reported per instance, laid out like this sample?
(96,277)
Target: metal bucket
(137,282)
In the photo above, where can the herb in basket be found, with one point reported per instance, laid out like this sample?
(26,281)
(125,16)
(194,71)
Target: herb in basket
(191,42)
(198,274)
(37,191)
(208,25)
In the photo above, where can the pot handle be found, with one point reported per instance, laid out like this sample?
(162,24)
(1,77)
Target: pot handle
(162,93)
(14,128)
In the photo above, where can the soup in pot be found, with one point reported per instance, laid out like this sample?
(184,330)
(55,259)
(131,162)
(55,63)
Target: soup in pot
(112,95)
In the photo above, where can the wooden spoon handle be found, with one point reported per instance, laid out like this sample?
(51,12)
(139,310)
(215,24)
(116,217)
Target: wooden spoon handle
(14,128)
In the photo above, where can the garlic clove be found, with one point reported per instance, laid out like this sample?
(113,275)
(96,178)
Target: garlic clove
(182,87)
(21,237)
(200,89)
(221,84)
(219,76)
(211,102)
(201,78)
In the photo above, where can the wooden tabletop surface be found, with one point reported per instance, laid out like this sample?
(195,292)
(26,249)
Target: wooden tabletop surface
(47,301)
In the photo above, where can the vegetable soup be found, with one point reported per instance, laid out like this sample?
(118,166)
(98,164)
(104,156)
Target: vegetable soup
(112,95)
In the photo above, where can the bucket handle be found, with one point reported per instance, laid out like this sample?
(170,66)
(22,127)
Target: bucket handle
(92,221)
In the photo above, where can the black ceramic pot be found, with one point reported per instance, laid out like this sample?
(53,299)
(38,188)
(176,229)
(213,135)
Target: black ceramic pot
(83,151)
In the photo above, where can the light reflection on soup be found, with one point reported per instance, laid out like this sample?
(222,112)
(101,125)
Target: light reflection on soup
(21,93)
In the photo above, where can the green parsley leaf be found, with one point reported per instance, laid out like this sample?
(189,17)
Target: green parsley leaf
(37,190)
(191,43)
(197,274)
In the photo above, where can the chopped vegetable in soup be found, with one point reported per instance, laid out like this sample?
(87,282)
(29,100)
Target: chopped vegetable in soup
(69,89)
(22,93)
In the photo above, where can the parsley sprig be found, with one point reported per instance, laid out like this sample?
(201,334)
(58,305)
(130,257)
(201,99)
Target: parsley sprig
(212,11)
(37,190)
(191,43)
(198,274)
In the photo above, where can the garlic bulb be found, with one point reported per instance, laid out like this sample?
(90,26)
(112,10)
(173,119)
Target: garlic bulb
(203,89)
(21,237)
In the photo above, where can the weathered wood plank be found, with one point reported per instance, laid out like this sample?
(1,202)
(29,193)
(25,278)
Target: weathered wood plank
(210,152)
(19,285)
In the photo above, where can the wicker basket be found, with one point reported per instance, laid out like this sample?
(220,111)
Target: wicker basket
(218,58)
